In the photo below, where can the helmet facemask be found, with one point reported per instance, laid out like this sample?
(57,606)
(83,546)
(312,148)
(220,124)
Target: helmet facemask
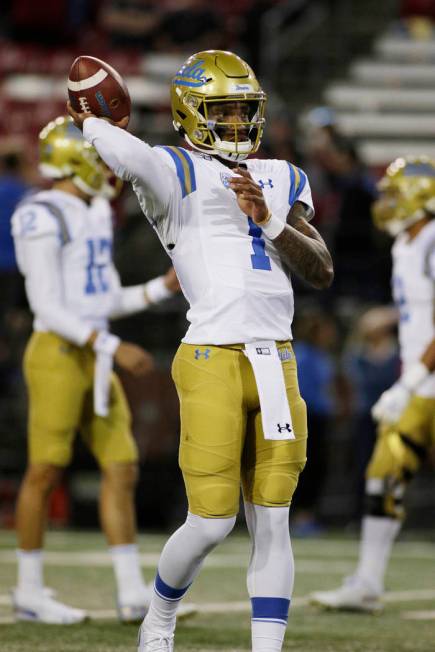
(211,132)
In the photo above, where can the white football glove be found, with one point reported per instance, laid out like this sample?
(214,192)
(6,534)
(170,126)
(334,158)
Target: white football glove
(393,401)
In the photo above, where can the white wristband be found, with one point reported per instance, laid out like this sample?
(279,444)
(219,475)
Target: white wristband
(106,343)
(414,376)
(273,227)
(156,290)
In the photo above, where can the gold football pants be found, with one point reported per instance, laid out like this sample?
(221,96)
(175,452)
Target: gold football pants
(222,443)
(59,378)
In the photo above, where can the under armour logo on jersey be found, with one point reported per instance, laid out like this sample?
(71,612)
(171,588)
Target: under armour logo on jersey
(205,353)
(281,428)
(262,350)
(263,184)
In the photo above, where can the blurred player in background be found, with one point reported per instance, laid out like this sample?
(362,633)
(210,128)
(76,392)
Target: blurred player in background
(63,240)
(406,411)
(232,229)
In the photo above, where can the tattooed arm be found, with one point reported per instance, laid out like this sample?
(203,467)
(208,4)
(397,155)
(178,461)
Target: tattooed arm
(299,244)
(303,250)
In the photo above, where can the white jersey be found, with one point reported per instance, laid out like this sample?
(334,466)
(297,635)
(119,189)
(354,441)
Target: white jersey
(413,284)
(64,250)
(231,274)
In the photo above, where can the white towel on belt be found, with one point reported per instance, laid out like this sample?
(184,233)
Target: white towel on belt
(269,376)
(105,346)
(102,374)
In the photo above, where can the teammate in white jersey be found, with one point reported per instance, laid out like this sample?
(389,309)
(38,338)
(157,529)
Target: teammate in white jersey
(63,240)
(233,229)
(406,411)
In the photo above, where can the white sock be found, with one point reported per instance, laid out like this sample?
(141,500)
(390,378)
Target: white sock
(270,575)
(126,566)
(30,571)
(267,636)
(179,563)
(377,538)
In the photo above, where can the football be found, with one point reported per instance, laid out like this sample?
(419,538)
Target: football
(96,87)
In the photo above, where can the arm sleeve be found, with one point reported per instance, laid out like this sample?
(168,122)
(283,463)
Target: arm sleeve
(127,300)
(132,160)
(43,274)
(429,262)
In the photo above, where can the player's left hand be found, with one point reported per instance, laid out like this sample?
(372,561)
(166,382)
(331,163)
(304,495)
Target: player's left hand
(389,407)
(171,281)
(134,359)
(249,195)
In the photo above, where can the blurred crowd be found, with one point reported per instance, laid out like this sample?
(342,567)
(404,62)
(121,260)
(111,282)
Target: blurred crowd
(143,25)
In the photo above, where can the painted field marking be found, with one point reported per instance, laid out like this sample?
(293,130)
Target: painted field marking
(244,606)
(418,615)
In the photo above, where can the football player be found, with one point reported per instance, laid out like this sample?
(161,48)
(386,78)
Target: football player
(63,240)
(233,227)
(406,411)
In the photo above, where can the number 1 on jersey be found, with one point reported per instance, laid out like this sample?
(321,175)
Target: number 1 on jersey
(259,259)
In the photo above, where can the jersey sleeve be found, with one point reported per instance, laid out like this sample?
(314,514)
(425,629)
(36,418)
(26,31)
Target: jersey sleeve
(41,266)
(131,159)
(429,261)
(32,221)
(126,300)
(299,188)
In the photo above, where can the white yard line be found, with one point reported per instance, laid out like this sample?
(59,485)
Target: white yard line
(418,615)
(244,606)
(149,560)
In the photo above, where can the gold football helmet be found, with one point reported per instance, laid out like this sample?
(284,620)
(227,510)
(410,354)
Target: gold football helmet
(407,194)
(64,153)
(214,77)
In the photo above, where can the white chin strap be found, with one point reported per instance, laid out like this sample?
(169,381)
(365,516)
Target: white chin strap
(231,151)
(52,172)
(395,227)
(221,149)
(232,156)
(81,185)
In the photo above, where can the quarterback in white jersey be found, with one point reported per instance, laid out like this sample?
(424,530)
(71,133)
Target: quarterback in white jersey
(406,411)
(63,240)
(234,229)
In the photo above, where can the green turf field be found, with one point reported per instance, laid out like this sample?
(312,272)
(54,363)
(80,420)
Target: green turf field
(78,567)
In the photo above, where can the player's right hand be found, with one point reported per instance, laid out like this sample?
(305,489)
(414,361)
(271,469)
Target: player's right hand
(171,281)
(79,118)
(134,359)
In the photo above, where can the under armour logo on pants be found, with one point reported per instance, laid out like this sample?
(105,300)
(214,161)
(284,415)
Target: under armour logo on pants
(199,353)
(286,426)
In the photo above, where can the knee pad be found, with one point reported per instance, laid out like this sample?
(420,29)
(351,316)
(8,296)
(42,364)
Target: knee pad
(384,497)
(268,525)
(211,531)
(396,459)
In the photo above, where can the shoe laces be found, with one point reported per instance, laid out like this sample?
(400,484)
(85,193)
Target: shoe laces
(160,643)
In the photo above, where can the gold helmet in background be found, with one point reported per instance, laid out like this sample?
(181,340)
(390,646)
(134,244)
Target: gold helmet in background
(407,194)
(216,76)
(64,153)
